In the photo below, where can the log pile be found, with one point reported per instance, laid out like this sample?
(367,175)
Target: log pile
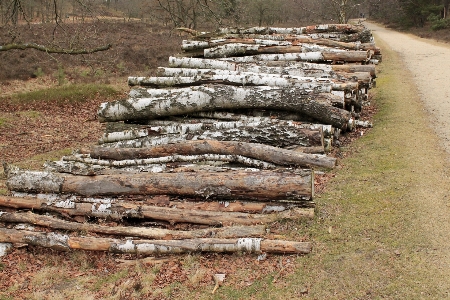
(207,154)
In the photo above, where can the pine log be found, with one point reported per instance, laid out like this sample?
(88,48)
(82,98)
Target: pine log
(130,231)
(63,242)
(257,151)
(195,99)
(119,210)
(263,185)
(319,85)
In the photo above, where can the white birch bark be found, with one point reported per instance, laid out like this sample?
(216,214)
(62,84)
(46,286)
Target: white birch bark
(202,98)
(319,85)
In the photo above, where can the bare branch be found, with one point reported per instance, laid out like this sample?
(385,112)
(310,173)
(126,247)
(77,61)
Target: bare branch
(52,50)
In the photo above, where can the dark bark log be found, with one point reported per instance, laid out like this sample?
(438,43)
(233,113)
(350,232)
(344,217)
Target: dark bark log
(129,231)
(195,99)
(151,247)
(262,152)
(263,185)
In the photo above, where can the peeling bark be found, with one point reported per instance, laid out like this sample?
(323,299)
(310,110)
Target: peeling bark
(319,85)
(151,247)
(130,231)
(117,210)
(257,151)
(204,98)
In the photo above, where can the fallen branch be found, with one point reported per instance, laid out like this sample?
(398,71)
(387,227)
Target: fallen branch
(53,50)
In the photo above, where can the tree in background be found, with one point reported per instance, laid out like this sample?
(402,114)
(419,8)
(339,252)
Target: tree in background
(19,15)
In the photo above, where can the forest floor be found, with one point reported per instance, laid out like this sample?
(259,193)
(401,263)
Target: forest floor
(381,229)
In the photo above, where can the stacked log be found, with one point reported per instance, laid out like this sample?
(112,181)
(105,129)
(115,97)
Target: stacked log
(223,142)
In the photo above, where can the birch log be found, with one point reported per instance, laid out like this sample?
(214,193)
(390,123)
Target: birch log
(231,50)
(62,242)
(263,185)
(130,231)
(203,98)
(258,66)
(252,69)
(343,28)
(267,131)
(346,56)
(20,200)
(319,85)
(193,45)
(257,151)
(122,209)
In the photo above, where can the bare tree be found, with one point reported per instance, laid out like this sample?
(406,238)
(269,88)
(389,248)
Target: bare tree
(19,15)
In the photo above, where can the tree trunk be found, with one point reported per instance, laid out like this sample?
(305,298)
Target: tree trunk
(258,66)
(86,166)
(319,85)
(194,45)
(322,28)
(118,210)
(129,231)
(263,185)
(346,56)
(257,151)
(252,69)
(266,131)
(195,99)
(305,134)
(62,242)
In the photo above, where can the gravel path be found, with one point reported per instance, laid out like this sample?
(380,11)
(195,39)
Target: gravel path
(429,62)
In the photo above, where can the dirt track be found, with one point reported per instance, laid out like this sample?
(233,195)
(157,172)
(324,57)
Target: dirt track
(429,64)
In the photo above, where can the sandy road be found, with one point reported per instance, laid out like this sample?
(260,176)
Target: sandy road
(429,63)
